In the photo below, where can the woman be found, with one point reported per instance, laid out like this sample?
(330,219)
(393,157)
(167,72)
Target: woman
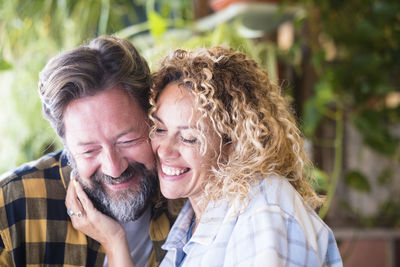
(225,139)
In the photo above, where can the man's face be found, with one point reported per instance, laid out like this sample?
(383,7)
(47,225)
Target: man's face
(107,138)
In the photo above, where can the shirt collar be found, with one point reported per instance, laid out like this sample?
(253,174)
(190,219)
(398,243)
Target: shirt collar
(65,169)
(210,223)
(215,215)
(178,233)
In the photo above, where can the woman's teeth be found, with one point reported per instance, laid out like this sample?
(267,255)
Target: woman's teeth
(173,171)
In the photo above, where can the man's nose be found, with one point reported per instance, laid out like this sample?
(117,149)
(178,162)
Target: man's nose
(113,163)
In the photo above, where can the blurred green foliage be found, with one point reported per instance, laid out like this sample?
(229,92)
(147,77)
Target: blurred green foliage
(4,65)
(30,33)
(355,179)
(355,47)
(356,55)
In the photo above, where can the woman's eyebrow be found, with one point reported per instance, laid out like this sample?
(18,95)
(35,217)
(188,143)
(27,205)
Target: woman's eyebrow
(184,127)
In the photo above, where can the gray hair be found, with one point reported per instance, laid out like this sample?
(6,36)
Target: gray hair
(104,63)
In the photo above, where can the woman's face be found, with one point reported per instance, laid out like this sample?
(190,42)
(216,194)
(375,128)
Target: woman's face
(182,169)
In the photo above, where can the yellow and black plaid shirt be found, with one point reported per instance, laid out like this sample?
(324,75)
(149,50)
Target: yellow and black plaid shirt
(35,229)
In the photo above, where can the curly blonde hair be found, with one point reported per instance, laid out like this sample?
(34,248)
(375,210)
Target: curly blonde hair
(248,113)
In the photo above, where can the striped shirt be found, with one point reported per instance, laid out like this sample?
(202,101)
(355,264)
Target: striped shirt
(275,229)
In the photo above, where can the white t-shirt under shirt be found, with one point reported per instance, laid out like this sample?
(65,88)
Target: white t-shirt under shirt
(137,233)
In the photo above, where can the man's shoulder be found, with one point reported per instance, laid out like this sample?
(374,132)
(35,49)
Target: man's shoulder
(169,207)
(164,213)
(47,166)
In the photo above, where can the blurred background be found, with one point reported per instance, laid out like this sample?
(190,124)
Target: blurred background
(338,63)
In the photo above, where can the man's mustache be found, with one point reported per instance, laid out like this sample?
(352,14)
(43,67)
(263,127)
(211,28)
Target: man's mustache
(133,169)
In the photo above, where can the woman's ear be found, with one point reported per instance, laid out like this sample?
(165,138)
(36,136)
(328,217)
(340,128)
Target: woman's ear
(227,146)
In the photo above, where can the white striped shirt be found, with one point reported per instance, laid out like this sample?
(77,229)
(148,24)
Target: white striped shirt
(276,229)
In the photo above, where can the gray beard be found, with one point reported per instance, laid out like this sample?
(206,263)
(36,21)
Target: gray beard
(127,205)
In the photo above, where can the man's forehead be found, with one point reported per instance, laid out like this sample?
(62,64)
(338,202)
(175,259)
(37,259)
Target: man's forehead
(108,114)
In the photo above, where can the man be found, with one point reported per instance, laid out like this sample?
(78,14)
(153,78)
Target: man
(96,99)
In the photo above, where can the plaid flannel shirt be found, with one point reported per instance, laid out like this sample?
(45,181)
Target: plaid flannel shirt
(275,229)
(35,229)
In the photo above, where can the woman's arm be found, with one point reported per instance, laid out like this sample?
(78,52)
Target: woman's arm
(108,232)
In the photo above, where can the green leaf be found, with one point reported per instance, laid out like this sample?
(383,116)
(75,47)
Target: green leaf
(311,117)
(324,92)
(375,132)
(318,59)
(385,177)
(4,65)
(356,180)
(158,25)
(316,107)
(321,182)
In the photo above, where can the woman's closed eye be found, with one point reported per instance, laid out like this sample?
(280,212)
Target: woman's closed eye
(190,140)
(159,130)
(127,141)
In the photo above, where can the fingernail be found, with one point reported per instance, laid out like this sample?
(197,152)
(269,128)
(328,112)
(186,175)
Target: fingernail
(74,181)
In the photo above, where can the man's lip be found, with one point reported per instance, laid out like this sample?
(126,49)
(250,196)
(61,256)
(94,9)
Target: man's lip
(123,185)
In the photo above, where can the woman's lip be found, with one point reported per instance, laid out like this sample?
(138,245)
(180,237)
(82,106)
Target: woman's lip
(123,185)
(170,167)
(165,176)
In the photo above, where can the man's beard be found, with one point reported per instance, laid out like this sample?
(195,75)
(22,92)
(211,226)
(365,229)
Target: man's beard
(128,204)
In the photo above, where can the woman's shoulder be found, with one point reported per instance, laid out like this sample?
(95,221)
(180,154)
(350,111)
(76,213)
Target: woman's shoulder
(274,197)
(278,217)
(276,191)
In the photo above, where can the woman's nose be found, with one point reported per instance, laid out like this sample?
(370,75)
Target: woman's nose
(167,148)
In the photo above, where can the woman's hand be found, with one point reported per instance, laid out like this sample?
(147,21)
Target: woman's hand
(87,219)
